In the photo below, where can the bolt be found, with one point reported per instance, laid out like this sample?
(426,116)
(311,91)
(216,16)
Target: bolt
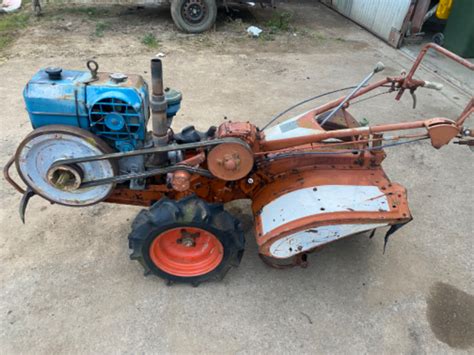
(250,181)
(230,164)
(188,239)
(188,242)
(231,161)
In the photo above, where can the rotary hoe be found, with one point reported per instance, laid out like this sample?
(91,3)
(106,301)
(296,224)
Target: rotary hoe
(313,179)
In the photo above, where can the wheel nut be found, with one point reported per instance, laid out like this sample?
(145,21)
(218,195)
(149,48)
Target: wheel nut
(188,242)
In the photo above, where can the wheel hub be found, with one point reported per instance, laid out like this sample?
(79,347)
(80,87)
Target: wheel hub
(194,11)
(65,177)
(188,251)
(188,239)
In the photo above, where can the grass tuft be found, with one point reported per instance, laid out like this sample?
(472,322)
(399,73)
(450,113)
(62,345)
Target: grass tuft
(9,25)
(150,41)
(100,28)
(280,22)
(91,12)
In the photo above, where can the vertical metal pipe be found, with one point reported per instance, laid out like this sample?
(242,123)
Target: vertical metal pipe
(157,77)
(158,111)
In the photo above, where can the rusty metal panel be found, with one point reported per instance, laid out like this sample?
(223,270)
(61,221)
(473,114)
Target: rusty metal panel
(384,18)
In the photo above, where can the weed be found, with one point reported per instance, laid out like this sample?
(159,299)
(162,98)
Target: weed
(150,41)
(280,22)
(100,28)
(314,35)
(9,25)
(5,40)
(265,36)
(319,36)
(12,22)
(91,12)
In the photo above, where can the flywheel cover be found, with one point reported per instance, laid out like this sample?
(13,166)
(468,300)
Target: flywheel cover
(45,145)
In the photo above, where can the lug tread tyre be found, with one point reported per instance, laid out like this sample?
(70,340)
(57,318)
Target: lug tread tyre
(191,211)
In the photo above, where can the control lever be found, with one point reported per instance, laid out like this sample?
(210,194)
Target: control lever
(378,68)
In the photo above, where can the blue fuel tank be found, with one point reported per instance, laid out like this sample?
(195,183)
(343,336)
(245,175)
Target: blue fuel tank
(115,106)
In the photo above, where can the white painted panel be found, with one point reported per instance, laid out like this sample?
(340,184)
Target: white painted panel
(378,16)
(321,199)
(306,240)
(289,129)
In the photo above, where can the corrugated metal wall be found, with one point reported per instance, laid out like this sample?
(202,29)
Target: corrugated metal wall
(385,18)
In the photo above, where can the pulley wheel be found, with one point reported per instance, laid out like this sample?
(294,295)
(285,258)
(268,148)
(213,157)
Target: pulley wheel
(61,184)
(230,161)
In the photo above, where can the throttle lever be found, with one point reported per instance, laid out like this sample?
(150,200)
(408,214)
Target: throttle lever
(378,68)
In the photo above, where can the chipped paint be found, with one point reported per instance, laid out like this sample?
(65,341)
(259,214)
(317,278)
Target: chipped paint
(304,241)
(321,199)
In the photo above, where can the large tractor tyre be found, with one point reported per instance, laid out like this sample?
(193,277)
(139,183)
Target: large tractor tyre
(187,241)
(194,16)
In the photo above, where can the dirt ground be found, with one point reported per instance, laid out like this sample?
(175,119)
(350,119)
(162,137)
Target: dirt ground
(68,286)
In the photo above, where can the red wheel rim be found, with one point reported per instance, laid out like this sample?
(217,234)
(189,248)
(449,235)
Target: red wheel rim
(186,251)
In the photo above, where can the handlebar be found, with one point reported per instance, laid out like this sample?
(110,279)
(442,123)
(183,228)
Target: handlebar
(419,58)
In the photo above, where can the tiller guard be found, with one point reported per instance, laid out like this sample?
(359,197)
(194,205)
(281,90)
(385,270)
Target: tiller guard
(324,207)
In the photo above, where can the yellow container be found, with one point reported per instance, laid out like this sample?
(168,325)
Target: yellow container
(444,8)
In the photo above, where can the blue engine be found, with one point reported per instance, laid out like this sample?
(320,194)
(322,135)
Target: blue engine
(115,107)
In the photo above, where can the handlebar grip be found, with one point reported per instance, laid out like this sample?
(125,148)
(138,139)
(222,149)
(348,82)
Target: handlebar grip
(433,85)
(379,67)
(468,132)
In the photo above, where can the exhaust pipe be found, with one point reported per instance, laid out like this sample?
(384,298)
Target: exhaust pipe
(158,112)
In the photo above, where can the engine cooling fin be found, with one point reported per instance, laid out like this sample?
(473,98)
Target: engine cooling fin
(117,122)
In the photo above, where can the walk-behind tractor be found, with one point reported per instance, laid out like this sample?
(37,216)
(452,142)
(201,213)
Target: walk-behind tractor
(312,179)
